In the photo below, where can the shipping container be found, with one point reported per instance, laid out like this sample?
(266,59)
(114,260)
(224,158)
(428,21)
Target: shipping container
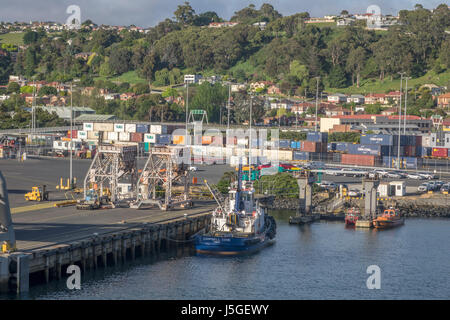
(369,149)
(359,159)
(342,146)
(136,137)
(119,127)
(269,171)
(405,162)
(310,146)
(301,155)
(74,135)
(157,128)
(143,128)
(231,141)
(93,135)
(124,136)
(206,140)
(426,141)
(105,127)
(218,140)
(379,139)
(181,139)
(331,146)
(113,136)
(150,137)
(164,139)
(284,144)
(130,127)
(317,137)
(82,134)
(409,151)
(88,126)
(439,152)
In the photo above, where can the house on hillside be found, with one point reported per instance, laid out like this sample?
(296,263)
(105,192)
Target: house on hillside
(273,89)
(356,98)
(444,100)
(337,98)
(374,98)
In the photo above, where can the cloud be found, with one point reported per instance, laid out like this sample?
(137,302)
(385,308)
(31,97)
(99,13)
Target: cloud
(147,13)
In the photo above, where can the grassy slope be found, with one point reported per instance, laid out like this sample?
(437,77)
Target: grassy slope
(377,86)
(130,77)
(12,38)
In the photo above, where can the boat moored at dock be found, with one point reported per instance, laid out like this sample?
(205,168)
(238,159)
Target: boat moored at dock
(389,219)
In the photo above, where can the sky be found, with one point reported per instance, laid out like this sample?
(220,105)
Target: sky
(147,13)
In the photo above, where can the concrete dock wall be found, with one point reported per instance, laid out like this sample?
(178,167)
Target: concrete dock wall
(96,252)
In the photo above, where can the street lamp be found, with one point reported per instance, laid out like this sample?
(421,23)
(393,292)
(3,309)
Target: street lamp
(399,119)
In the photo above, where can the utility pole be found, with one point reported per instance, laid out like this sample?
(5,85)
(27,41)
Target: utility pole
(406,103)
(317,103)
(399,120)
(71,134)
(187,110)
(250,143)
(229,104)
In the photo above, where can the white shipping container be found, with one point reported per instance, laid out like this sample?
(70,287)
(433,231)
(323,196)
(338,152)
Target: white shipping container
(234,160)
(130,127)
(149,137)
(426,141)
(158,129)
(88,126)
(92,135)
(124,136)
(113,136)
(119,127)
(82,134)
(105,127)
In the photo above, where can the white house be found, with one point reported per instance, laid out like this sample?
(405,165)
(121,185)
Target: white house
(192,78)
(337,98)
(356,98)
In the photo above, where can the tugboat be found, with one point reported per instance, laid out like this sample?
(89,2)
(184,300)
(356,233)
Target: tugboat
(352,215)
(239,225)
(390,218)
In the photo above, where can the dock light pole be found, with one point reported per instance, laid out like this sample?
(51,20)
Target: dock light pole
(71,134)
(317,103)
(187,108)
(400,120)
(228,107)
(406,103)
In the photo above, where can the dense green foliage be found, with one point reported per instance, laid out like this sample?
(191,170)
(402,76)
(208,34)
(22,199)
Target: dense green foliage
(344,137)
(282,185)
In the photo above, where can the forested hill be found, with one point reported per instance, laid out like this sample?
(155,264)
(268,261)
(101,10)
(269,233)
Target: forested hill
(287,51)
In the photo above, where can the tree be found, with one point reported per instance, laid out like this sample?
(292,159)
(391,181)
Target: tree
(185,14)
(119,61)
(355,63)
(30,37)
(337,77)
(211,98)
(13,87)
(46,90)
(298,71)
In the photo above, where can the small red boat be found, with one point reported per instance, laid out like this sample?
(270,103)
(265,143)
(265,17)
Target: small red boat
(352,215)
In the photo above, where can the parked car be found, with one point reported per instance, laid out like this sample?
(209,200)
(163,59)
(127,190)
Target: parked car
(328,185)
(393,175)
(192,168)
(415,176)
(354,193)
(428,175)
(424,187)
(445,188)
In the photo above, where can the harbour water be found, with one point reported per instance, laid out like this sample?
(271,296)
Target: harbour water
(324,260)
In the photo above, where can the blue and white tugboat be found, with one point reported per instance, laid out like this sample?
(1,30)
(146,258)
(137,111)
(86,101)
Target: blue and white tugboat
(239,225)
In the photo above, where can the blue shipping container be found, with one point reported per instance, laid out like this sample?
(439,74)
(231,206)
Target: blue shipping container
(317,136)
(369,149)
(284,143)
(295,145)
(381,139)
(331,146)
(342,146)
(142,128)
(301,155)
(163,138)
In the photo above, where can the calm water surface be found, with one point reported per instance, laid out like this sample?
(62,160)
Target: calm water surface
(324,260)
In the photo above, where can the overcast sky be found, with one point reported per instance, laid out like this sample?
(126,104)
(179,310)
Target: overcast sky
(147,13)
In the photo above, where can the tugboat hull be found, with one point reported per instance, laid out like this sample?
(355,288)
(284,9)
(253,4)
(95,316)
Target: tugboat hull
(220,245)
(386,224)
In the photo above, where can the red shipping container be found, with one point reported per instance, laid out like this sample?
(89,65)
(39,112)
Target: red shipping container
(311,146)
(418,141)
(439,152)
(75,134)
(136,137)
(409,151)
(218,141)
(358,159)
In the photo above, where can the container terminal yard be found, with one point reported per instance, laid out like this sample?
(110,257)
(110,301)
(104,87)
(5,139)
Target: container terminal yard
(118,168)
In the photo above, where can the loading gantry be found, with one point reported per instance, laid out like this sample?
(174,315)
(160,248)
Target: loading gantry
(166,166)
(112,165)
